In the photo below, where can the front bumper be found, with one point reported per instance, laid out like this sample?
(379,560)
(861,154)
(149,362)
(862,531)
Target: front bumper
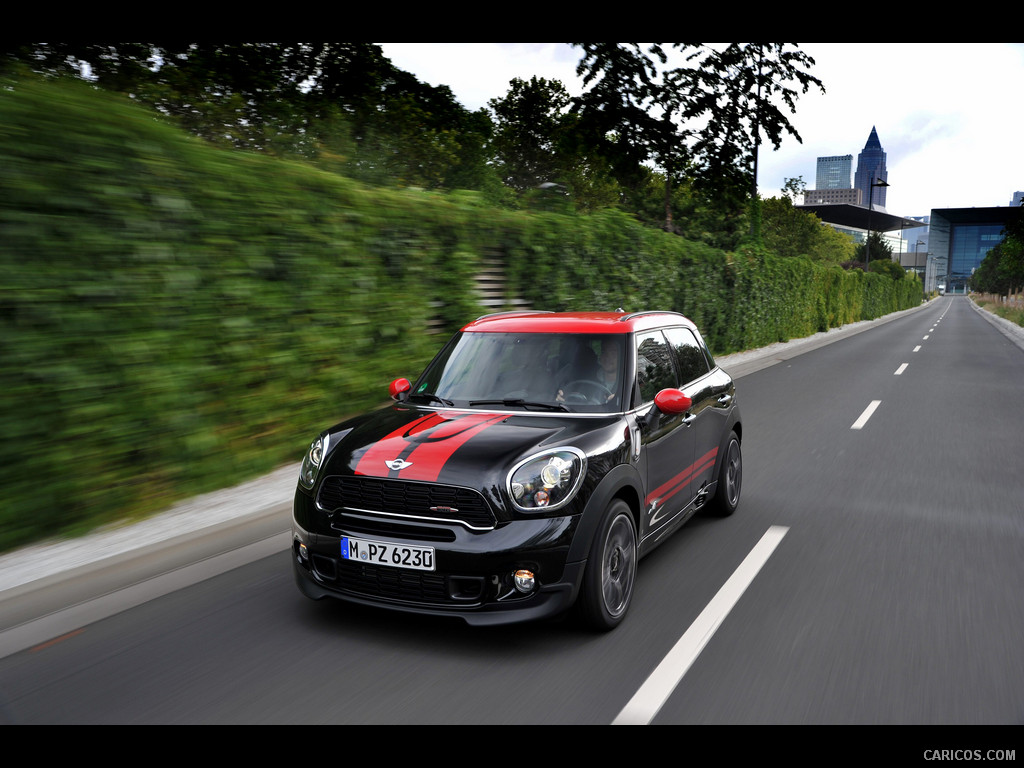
(473,577)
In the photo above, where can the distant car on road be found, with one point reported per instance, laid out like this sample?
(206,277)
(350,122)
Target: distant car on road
(526,471)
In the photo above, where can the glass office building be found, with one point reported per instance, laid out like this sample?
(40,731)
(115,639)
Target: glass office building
(833,172)
(962,237)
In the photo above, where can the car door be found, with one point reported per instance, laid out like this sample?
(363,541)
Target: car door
(710,391)
(667,440)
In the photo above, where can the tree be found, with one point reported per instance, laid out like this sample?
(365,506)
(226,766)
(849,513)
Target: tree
(343,104)
(880,249)
(738,89)
(705,117)
(1002,269)
(789,231)
(739,86)
(529,123)
(887,267)
(537,146)
(633,111)
(793,189)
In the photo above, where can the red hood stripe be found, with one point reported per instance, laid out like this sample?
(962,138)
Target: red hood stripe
(391,446)
(427,443)
(429,459)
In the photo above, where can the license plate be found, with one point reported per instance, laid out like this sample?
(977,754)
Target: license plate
(384,553)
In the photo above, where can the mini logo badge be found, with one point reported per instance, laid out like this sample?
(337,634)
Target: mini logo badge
(397,464)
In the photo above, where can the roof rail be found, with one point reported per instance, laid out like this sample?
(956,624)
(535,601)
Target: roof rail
(631,315)
(514,312)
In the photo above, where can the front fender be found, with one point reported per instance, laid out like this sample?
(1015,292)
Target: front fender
(621,482)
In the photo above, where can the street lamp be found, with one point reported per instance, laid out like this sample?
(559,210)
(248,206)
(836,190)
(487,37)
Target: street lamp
(919,242)
(924,272)
(867,245)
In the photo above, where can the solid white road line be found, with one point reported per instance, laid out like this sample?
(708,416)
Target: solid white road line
(901,369)
(863,419)
(655,691)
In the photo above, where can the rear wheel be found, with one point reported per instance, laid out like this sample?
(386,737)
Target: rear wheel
(611,569)
(730,479)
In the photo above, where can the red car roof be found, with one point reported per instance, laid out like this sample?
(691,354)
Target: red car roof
(574,322)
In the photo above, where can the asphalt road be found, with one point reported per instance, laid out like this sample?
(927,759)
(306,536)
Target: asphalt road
(890,592)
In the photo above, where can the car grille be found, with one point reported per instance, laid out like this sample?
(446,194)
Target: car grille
(393,583)
(364,525)
(409,499)
(399,585)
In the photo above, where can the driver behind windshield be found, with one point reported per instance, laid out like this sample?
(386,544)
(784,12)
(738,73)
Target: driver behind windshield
(591,378)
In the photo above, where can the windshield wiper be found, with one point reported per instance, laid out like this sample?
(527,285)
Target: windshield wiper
(432,398)
(521,404)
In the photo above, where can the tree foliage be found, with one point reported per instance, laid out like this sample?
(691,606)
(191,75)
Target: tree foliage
(794,189)
(341,104)
(739,90)
(668,132)
(788,231)
(880,250)
(530,127)
(635,111)
(704,116)
(1002,269)
(888,267)
(539,152)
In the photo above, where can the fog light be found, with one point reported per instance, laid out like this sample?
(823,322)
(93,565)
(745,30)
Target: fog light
(524,581)
(303,552)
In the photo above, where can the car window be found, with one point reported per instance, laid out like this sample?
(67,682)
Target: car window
(689,354)
(654,371)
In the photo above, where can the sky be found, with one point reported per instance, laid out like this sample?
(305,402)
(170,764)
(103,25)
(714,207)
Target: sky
(950,116)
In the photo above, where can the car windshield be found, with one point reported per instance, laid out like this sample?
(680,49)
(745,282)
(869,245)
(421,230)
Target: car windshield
(533,371)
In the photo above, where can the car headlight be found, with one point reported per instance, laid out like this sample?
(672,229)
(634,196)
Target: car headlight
(312,461)
(547,480)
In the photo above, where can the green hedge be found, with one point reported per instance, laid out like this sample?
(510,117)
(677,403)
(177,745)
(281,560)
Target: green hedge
(176,318)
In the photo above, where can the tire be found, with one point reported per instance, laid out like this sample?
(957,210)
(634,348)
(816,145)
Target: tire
(730,480)
(611,569)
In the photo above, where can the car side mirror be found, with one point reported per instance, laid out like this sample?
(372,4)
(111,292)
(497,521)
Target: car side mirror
(672,401)
(399,389)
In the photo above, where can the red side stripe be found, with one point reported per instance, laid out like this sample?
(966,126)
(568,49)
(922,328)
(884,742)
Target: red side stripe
(680,481)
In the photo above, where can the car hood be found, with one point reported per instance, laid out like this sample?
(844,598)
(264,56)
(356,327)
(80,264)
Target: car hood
(458,447)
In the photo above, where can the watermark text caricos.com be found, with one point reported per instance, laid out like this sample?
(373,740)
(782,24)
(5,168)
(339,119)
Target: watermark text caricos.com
(970,754)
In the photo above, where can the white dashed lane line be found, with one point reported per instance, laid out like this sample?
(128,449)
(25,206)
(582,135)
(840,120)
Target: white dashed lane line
(863,418)
(655,691)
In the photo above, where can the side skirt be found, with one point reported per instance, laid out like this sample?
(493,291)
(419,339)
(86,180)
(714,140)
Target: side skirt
(653,538)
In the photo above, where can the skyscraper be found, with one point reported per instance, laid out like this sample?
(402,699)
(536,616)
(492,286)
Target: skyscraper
(834,172)
(871,167)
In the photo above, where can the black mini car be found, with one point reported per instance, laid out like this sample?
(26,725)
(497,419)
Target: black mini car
(527,470)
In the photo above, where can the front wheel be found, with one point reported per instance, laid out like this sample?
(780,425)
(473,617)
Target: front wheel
(611,569)
(730,479)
